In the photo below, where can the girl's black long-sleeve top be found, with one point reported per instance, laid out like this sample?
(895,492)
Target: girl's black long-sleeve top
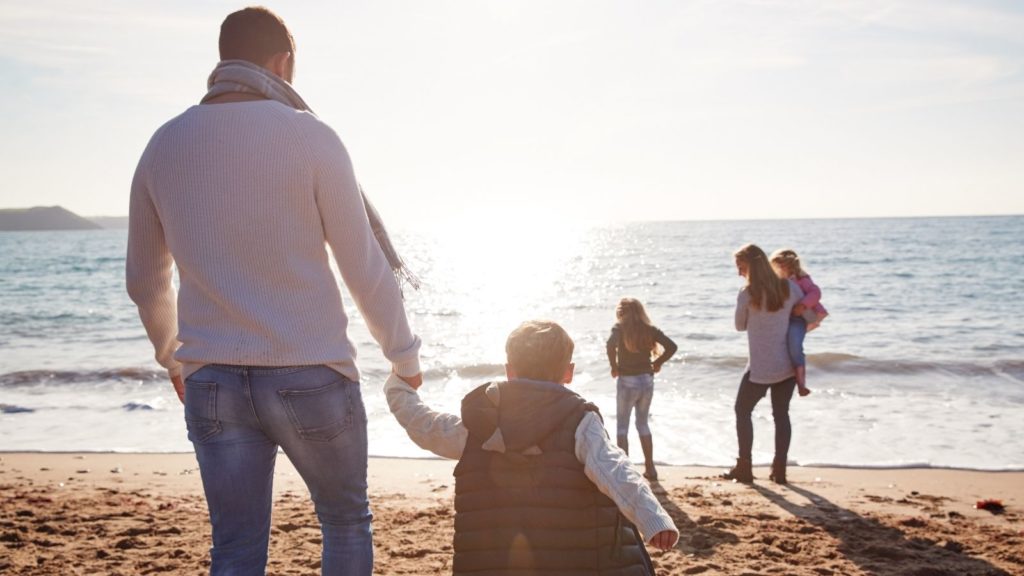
(634,363)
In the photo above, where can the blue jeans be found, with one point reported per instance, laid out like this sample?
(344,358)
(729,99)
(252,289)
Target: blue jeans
(237,417)
(795,340)
(633,392)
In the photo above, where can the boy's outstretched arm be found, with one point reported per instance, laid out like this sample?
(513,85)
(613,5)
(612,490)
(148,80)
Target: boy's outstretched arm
(610,470)
(665,540)
(441,433)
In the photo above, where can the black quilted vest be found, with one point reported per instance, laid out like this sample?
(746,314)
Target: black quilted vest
(523,505)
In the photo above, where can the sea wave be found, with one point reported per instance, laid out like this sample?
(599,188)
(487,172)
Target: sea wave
(834,362)
(853,364)
(59,377)
(1011,368)
(63,377)
(702,336)
(824,361)
(443,372)
(468,371)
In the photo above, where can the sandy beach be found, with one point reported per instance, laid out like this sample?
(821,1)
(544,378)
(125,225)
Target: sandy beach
(66,513)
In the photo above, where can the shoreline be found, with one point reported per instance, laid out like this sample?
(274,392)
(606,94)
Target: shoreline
(711,467)
(134,513)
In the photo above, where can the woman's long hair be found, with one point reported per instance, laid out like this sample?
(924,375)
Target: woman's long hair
(767,291)
(635,327)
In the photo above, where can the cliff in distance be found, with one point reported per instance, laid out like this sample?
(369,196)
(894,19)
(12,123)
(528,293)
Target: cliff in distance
(43,218)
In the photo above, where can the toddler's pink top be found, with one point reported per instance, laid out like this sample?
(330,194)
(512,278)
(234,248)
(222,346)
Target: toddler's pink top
(812,295)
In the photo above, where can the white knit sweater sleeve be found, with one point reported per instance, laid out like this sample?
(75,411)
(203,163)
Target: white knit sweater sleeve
(362,263)
(610,470)
(148,272)
(440,432)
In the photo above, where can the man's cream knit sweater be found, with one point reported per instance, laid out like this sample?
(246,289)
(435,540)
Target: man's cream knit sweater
(244,199)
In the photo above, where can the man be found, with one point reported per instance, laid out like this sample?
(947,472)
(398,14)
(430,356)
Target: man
(243,193)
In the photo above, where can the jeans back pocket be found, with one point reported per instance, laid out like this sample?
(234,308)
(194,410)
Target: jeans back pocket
(321,414)
(201,410)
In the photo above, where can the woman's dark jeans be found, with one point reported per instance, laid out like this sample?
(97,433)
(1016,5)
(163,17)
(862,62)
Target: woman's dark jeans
(748,396)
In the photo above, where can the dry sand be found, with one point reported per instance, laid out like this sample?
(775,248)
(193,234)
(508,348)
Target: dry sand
(145,513)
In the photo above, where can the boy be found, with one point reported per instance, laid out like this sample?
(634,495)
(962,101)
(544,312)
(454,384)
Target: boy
(539,488)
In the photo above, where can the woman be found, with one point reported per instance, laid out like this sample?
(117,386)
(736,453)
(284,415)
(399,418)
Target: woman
(632,353)
(763,308)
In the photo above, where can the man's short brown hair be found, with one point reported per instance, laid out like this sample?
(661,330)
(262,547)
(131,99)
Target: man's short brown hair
(254,34)
(539,350)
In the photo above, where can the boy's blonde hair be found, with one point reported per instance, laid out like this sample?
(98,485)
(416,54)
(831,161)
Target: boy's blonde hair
(790,261)
(539,350)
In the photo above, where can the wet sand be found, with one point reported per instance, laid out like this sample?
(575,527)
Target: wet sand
(126,514)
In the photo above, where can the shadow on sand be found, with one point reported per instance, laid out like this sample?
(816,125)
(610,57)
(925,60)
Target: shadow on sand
(879,549)
(699,537)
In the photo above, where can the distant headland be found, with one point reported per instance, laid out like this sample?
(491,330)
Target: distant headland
(53,218)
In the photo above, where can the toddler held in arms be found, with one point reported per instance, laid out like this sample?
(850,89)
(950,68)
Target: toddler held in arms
(807,313)
(539,486)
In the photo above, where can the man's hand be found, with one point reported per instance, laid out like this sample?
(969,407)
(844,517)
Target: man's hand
(664,540)
(179,387)
(798,310)
(615,373)
(656,367)
(414,381)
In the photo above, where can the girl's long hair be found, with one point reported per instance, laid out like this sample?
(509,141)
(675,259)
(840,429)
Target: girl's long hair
(636,328)
(767,291)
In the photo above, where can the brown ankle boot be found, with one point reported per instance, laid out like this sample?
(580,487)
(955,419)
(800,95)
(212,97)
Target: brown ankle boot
(778,474)
(741,472)
(648,447)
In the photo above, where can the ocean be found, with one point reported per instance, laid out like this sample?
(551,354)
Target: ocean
(921,362)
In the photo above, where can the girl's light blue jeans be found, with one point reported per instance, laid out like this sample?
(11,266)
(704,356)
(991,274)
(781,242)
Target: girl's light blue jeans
(237,417)
(633,392)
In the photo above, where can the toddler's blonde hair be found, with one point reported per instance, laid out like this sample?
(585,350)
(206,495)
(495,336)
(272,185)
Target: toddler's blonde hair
(789,260)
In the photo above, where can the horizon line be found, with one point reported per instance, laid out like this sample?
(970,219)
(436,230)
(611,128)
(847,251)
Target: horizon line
(399,221)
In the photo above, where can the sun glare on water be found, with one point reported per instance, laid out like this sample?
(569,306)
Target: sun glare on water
(492,275)
(506,270)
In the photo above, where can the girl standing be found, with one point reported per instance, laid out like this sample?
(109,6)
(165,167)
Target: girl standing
(634,359)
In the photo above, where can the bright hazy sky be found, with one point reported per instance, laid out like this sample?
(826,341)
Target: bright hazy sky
(596,110)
